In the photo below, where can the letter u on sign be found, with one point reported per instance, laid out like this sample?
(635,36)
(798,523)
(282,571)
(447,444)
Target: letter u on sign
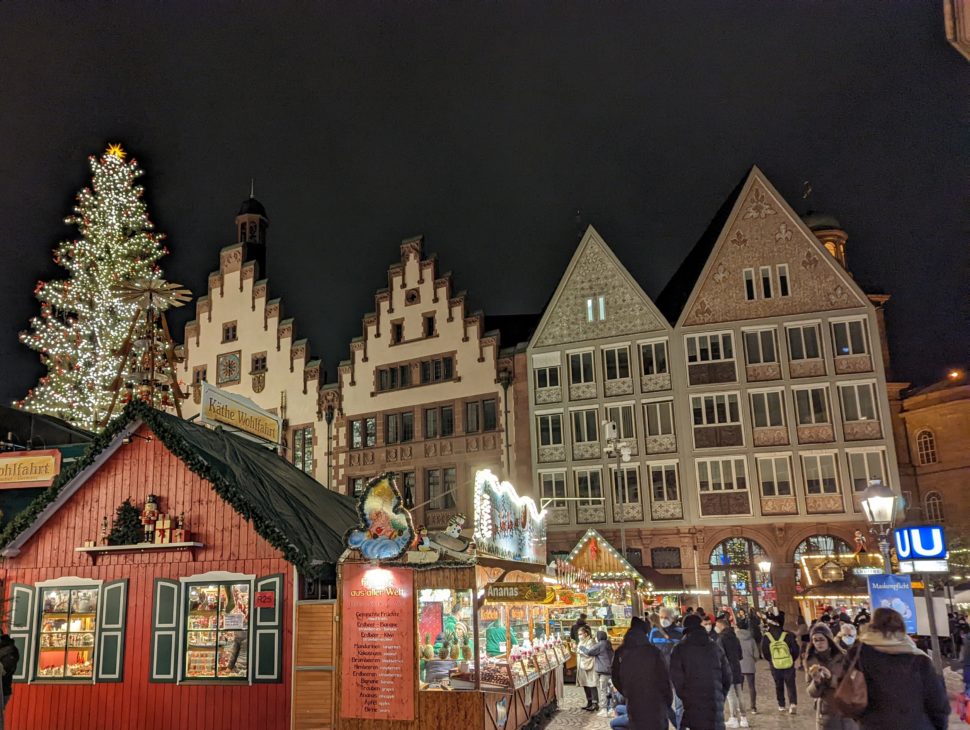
(920,543)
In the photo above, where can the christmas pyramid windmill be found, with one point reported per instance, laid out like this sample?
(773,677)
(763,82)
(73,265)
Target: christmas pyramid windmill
(148,355)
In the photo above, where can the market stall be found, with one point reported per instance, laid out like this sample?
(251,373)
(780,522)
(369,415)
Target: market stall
(837,581)
(439,630)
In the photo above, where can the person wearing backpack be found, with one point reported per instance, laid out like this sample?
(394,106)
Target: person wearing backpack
(781,649)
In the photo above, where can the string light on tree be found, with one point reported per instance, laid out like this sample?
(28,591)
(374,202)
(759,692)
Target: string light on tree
(83,322)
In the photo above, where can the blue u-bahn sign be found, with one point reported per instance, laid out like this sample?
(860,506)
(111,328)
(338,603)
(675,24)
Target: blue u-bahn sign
(921,549)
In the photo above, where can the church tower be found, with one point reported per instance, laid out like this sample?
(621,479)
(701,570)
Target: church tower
(251,225)
(830,232)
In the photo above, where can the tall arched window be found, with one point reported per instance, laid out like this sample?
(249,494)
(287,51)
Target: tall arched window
(817,545)
(736,579)
(933,506)
(926,447)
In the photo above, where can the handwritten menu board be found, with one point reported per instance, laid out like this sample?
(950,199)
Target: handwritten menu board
(378,644)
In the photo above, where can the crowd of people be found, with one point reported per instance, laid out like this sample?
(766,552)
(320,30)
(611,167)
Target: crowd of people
(697,671)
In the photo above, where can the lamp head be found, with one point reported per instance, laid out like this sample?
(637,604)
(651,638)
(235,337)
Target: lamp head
(879,503)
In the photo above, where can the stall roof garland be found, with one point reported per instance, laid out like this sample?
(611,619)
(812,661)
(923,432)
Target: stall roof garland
(628,571)
(294,513)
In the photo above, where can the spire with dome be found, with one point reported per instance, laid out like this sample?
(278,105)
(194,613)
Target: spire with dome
(251,225)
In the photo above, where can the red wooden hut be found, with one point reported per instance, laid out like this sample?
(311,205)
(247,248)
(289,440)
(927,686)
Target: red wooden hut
(193,630)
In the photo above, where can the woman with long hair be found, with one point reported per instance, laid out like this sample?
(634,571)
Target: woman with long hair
(824,665)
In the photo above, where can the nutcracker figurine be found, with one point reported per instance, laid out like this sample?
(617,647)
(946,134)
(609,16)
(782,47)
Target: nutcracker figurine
(149,515)
(103,537)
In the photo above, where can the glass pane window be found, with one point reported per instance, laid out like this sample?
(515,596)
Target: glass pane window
(653,358)
(616,363)
(767,409)
(865,466)
(821,474)
(749,290)
(858,402)
(446,635)
(626,485)
(759,347)
(659,417)
(430,423)
(550,429)
(437,480)
(715,410)
(663,483)
(803,342)
(553,486)
(622,416)
(489,415)
(850,337)
(774,473)
(547,377)
(447,420)
(356,434)
(581,368)
(812,406)
(721,475)
(473,417)
(926,447)
(589,488)
(585,427)
(407,426)
(370,431)
(784,286)
(596,308)
(303,449)
(710,348)
(67,628)
(217,631)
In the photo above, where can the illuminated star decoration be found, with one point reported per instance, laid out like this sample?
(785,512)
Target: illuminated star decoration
(115,150)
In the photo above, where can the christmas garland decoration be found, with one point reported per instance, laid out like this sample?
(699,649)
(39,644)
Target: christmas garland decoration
(225,487)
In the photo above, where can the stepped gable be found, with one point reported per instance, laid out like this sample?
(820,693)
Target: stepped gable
(759,230)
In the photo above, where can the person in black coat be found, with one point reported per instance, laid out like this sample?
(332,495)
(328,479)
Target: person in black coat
(574,629)
(731,645)
(702,678)
(640,675)
(904,688)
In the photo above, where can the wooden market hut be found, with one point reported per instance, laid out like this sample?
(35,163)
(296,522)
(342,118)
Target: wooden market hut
(199,631)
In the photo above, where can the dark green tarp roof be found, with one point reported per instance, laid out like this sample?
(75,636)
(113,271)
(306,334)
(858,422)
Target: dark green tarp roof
(291,510)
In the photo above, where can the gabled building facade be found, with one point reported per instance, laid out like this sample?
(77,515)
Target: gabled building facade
(426,393)
(241,341)
(600,353)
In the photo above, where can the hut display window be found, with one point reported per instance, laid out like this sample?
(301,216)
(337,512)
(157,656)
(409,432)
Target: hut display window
(68,623)
(217,631)
(446,650)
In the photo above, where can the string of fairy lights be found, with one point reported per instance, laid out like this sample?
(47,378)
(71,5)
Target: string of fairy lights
(82,323)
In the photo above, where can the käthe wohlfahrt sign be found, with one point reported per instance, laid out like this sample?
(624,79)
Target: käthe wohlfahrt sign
(22,469)
(229,409)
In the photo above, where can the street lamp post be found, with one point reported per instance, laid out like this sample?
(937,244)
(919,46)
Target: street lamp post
(879,503)
(764,568)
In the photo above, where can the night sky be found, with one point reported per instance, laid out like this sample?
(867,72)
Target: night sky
(484,126)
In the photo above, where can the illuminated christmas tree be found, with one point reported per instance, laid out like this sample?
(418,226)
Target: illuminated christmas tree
(83,320)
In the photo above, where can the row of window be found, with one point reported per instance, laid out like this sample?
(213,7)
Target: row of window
(440,486)
(437,422)
(766,282)
(820,475)
(767,409)
(431,370)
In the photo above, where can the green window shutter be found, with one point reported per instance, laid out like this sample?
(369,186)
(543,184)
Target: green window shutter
(21,623)
(110,656)
(165,631)
(268,632)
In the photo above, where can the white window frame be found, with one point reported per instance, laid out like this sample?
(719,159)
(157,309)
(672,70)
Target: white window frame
(926,451)
(855,386)
(589,499)
(583,354)
(782,271)
(627,470)
(666,467)
(547,370)
(550,415)
(558,501)
(933,507)
(772,460)
(828,405)
(697,339)
(573,412)
(818,456)
(654,345)
(764,394)
(728,396)
(32,653)
(750,289)
(721,461)
(615,351)
(660,404)
(867,452)
(847,322)
(765,283)
(760,331)
(801,326)
(596,308)
(622,432)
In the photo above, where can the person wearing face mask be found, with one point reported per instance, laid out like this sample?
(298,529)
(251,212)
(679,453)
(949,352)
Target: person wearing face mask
(824,665)
(665,636)
(846,637)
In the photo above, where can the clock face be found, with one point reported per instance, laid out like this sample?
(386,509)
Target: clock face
(228,367)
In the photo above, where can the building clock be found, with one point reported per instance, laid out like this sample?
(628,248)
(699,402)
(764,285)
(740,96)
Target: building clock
(228,368)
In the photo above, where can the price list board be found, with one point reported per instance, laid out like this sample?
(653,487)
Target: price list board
(377,643)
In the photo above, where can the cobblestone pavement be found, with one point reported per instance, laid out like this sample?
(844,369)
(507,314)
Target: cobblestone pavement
(768,718)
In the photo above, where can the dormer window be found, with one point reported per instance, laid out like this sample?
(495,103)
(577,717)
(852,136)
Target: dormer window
(596,308)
